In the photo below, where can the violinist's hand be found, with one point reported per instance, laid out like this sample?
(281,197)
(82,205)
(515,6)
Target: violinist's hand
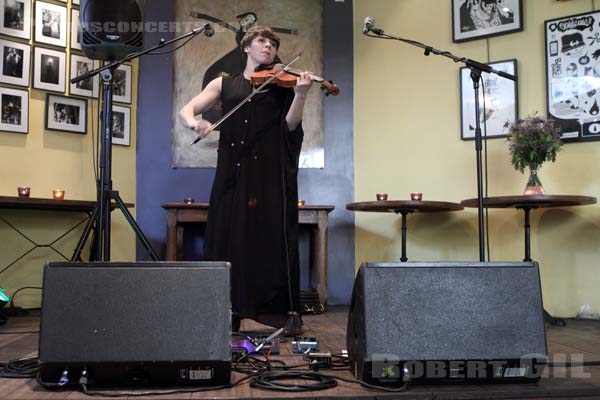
(200,126)
(303,83)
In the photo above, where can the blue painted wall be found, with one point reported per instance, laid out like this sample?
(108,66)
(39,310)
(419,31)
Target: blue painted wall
(158,182)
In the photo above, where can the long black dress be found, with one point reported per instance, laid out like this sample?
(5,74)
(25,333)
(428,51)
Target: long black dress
(253,212)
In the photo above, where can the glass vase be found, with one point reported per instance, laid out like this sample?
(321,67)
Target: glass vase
(534,185)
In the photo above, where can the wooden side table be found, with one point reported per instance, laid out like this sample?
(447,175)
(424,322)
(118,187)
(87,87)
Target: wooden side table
(404,207)
(528,203)
(315,216)
(32,203)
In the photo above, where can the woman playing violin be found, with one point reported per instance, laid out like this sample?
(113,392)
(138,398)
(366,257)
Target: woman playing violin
(253,213)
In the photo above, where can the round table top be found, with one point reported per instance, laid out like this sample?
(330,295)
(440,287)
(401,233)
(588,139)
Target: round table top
(532,201)
(404,205)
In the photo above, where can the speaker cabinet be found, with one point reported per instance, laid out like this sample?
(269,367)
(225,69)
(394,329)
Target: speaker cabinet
(444,322)
(111,29)
(136,324)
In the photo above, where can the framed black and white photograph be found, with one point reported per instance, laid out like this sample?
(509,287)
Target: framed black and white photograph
(49,69)
(66,114)
(122,84)
(573,75)
(501,101)
(89,87)
(121,127)
(14,105)
(15,18)
(476,19)
(50,24)
(75,30)
(16,58)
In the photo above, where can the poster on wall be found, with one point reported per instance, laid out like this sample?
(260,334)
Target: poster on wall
(203,59)
(15,18)
(477,19)
(500,96)
(573,75)
(14,110)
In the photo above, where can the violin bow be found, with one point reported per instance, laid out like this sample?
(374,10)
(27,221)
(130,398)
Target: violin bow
(250,96)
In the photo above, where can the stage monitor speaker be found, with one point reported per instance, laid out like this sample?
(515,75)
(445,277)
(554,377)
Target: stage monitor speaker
(110,29)
(446,322)
(136,324)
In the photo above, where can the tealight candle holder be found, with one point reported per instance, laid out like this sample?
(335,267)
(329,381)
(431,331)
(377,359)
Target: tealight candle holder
(188,200)
(382,196)
(58,194)
(24,191)
(301,203)
(416,196)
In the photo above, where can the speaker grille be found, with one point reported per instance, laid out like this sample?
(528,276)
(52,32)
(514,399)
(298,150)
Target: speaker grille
(444,312)
(117,312)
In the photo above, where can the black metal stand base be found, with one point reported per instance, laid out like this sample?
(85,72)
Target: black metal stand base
(90,226)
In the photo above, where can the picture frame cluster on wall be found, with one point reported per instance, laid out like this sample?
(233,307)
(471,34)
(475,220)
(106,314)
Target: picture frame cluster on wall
(53,28)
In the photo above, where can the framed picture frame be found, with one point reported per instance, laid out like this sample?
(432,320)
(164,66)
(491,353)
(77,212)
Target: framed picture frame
(572,75)
(50,24)
(16,61)
(49,69)
(477,19)
(121,127)
(122,84)
(66,114)
(15,18)
(501,101)
(75,30)
(89,87)
(14,110)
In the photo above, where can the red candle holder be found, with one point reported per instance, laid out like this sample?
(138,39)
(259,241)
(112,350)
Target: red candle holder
(24,191)
(58,194)
(381,196)
(301,203)
(416,196)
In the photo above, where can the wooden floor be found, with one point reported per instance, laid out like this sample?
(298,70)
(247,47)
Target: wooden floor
(19,338)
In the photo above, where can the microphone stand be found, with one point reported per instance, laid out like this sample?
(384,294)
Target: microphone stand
(99,219)
(476,69)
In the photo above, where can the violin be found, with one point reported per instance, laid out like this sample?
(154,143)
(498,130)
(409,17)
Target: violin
(287,78)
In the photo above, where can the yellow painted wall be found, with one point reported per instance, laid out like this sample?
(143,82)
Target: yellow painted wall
(46,160)
(407,138)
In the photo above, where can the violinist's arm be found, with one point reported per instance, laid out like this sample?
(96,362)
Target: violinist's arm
(294,115)
(200,104)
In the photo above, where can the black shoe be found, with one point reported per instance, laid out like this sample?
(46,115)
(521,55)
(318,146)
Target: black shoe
(236,323)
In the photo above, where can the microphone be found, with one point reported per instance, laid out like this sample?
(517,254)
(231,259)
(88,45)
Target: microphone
(368,25)
(208,30)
